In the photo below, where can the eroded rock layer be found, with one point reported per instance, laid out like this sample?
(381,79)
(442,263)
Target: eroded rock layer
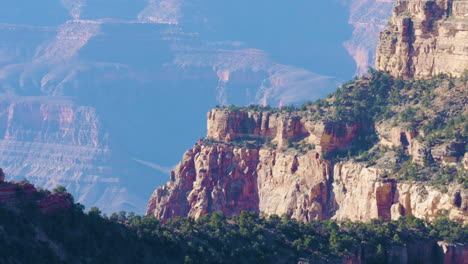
(53,141)
(425,38)
(219,175)
(276,162)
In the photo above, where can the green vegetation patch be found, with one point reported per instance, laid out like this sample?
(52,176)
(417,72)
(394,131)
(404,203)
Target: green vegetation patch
(73,236)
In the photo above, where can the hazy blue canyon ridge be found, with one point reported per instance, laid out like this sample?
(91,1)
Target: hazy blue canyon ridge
(104,96)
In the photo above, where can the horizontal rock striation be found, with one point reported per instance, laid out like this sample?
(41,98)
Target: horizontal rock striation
(425,38)
(217,175)
(275,162)
(227,126)
(52,141)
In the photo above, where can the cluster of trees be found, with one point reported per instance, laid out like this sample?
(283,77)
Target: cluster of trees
(301,146)
(263,108)
(378,96)
(75,236)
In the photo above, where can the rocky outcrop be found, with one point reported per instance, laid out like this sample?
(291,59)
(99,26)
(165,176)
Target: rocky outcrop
(219,175)
(55,203)
(13,195)
(227,126)
(425,38)
(361,194)
(398,136)
(224,178)
(209,179)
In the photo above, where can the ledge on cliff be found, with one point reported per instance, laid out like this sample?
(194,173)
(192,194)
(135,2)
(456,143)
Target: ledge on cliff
(379,147)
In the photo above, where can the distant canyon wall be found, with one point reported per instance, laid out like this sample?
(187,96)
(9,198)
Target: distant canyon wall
(58,73)
(368,18)
(52,141)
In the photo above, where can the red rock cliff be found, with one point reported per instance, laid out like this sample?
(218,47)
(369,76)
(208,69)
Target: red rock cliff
(218,174)
(273,162)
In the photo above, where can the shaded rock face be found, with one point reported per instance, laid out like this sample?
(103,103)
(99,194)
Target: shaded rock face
(425,38)
(220,177)
(215,175)
(12,194)
(209,179)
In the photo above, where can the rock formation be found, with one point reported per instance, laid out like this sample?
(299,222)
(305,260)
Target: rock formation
(275,162)
(425,38)
(22,193)
(361,195)
(218,175)
(48,60)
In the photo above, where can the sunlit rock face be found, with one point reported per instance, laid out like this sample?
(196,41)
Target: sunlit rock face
(99,92)
(425,38)
(218,175)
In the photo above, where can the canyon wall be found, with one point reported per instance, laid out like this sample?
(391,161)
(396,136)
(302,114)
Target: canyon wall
(425,38)
(275,162)
(52,141)
(368,18)
(218,175)
(120,64)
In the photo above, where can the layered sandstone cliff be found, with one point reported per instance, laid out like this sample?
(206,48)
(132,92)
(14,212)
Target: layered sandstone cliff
(219,175)
(276,162)
(425,38)
(361,194)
